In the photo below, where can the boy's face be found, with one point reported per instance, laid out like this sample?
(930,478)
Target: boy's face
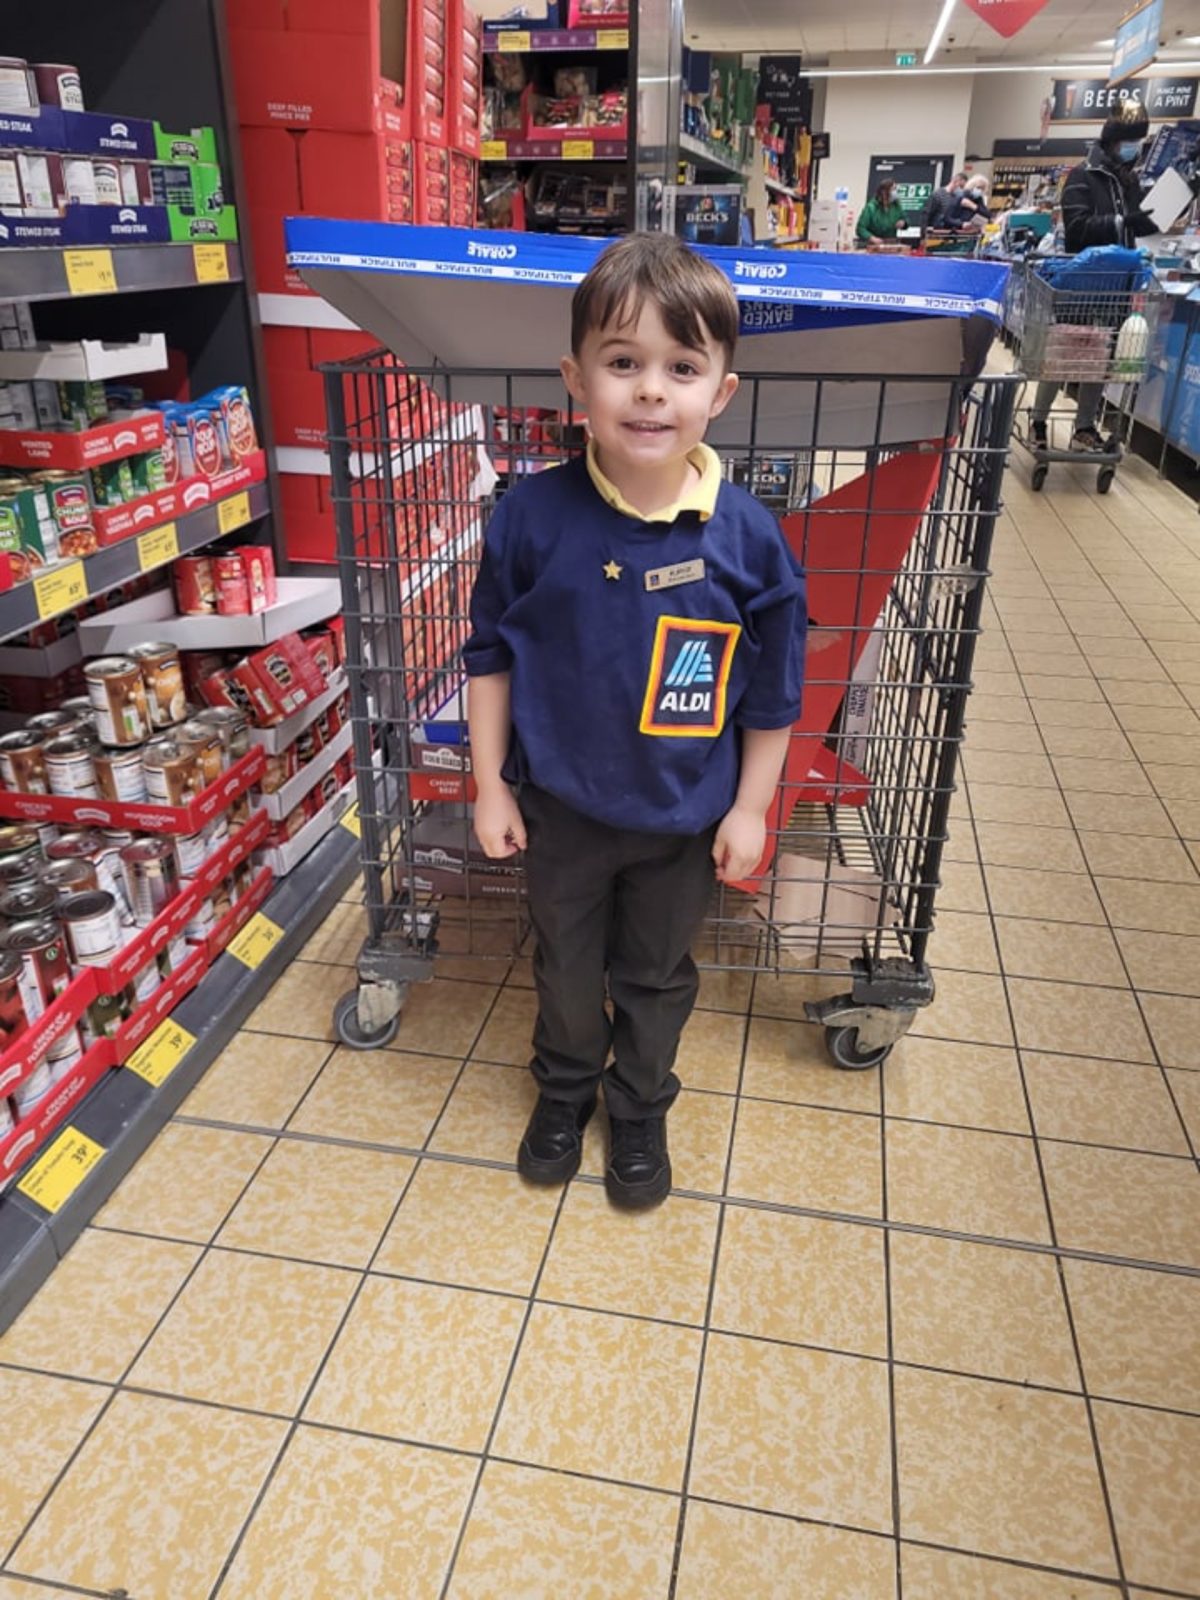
(648,398)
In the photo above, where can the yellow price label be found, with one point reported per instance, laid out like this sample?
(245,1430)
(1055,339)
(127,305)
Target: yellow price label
(351,820)
(61,589)
(512,41)
(493,150)
(578,149)
(156,1058)
(59,1171)
(90,271)
(613,39)
(158,546)
(211,263)
(233,512)
(256,941)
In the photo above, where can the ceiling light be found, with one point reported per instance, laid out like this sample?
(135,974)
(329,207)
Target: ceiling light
(1105,44)
(1047,69)
(936,39)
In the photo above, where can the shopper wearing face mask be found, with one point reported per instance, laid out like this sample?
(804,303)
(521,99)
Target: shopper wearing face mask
(971,208)
(1101,205)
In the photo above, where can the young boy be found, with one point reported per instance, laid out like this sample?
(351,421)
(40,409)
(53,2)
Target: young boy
(635,662)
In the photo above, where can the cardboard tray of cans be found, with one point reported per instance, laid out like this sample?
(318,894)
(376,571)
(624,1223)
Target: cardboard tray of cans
(32,1131)
(284,858)
(128,436)
(115,523)
(284,800)
(277,739)
(140,816)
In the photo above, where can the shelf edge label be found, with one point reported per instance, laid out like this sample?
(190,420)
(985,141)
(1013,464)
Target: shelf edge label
(60,1169)
(211,262)
(61,589)
(510,42)
(90,271)
(233,512)
(578,149)
(158,546)
(156,1058)
(255,941)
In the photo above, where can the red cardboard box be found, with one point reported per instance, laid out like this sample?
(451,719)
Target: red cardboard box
(286,347)
(271,270)
(297,398)
(357,175)
(327,345)
(300,494)
(345,82)
(271,160)
(465,66)
(310,537)
(426,85)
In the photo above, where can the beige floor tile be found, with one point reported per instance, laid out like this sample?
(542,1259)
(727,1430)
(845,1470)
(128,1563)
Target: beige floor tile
(507,1034)
(177,1480)
(18,1589)
(941,1574)
(550,1536)
(1185,1086)
(1094,743)
(472,1226)
(1009,708)
(1000,1470)
(969,1006)
(727,1552)
(646,1374)
(186,1183)
(1185,818)
(788,1061)
(1174,1024)
(1119,855)
(443,1018)
(724,990)
(801,1432)
(1175,783)
(944,1080)
(1146,1208)
(1102,1102)
(351,1516)
(377,1096)
(1158,719)
(257,1080)
(318,1202)
(1019,737)
(710,1052)
(100,1305)
(339,939)
(1041,687)
(1073,714)
(1150,1464)
(1028,772)
(650,1264)
(1007,844)
(964,940)
(802,1280)
(1169,962)
(1083,775)
(45,1418)
(1137,1333)
(962,887)
(699,1129)
(301,1003)
(247,1331)
(1152,907)
(1134,816)
(979,1309)
(1078,1018)
(965,1181)
(1167,749)
(487,1113)
(796,1155)
(420,1362)
(1033,949)
(1047,896)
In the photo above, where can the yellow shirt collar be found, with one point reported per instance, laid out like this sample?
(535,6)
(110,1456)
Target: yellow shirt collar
(700,495)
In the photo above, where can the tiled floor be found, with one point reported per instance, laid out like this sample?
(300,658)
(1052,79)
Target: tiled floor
(934,1336)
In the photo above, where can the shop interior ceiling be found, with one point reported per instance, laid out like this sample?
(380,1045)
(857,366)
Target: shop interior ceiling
(1064,30)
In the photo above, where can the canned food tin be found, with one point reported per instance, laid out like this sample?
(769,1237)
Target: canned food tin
(217,831)
(103,1018)
(70,877)
(163,677)
(79,706)
(204,920)
(233,727)
(79,180)
(13,1018)
(56,723)
(118,693)
(135,182)
(71,507)
(232,585)
(58,85)
(222,899)
(23,762)
(171,772)
(12,194)
(21,872)
(172,955)
(120,775)
(204,744)
(64,1053)
(107,177)
(69,766)
(151,872)
(195,592)
(17,89)
(149,473)
(93,926)
(239,811)
(84,844)
(38,1084)
(45,969)
(112,483)
(17,843)
(191,852)
(36,900)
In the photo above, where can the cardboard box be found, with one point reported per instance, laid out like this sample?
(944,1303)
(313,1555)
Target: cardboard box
(95,133)
(328,345)
(286,347)
(271,160)
(497,15)
(363,175)
(464,64)
(310,536)
(347,82)
(427,88)
(271,271)
(297,401)
(197,144)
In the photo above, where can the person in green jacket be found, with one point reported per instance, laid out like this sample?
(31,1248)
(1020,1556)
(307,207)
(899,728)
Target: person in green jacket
(881,218)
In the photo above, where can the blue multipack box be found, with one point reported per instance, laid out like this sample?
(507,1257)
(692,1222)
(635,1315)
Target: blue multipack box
(92,133)
(33,130)
(18,232)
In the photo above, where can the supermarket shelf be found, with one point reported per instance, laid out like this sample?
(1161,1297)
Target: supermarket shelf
(516,40)
(572,149)
(302,311)
(43,274)
(782,188)
(123,1114)
(301,602)
(273,740)
(86,360)
(715,158)
(65,588)
(282,801)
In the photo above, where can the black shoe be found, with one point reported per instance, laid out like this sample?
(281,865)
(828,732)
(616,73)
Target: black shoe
(639,1169)
(1089,441)
(1039,435)
(553,1142)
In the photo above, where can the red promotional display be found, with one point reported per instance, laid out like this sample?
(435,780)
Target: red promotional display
(138,815)
(1007,17)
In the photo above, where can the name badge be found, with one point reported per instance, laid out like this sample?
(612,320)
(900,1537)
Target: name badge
(673,577)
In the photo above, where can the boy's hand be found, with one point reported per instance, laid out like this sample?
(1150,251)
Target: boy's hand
(739,845)
(499,825)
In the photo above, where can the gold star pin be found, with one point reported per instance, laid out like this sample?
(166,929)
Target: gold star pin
(612,571)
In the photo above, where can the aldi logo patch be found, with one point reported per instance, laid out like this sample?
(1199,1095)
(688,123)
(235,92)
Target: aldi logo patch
(689,678)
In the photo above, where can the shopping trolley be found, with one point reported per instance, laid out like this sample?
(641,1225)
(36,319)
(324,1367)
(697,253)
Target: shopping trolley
(1082,320)
(894,537)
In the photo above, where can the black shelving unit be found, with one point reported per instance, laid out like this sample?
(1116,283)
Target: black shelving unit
(41,275)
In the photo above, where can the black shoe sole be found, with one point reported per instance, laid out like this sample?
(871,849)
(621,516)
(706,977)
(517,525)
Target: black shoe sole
(638,1196)
(547,1173)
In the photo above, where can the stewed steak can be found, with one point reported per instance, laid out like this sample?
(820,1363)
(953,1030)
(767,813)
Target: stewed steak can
(118,693)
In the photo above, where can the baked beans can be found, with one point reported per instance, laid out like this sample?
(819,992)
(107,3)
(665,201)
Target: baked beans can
(118,694)
(35,1087)
(152,877)
(57,723)
(233,727)
(18,91)
(35,901)
(58,85)
(18,843)
(70,877)
(120,775)
(70,767)
(93,927)
(163,677)
(45,966)
(13,1018)
(204,743)
(232,585)
(23,763)
(195,589)
(22,872)
(171,772)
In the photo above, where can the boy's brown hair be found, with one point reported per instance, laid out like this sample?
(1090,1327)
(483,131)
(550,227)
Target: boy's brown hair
(693,297)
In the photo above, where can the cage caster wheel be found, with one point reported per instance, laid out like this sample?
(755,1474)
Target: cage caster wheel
(350,1030)
(1037,481)
(842,1044)
(1104,479)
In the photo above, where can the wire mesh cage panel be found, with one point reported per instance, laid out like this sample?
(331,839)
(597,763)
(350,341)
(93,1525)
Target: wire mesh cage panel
(1087,326)
(894,539)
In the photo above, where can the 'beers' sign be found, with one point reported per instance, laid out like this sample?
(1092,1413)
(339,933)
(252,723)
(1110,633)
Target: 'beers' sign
(1093,99)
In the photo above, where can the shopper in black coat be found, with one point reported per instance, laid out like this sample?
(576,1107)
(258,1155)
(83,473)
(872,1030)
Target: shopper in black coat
(1101,205)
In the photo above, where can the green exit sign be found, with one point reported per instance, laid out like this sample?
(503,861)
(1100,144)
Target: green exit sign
(906,58)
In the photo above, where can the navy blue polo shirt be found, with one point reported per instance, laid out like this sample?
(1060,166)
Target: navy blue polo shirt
(637,649)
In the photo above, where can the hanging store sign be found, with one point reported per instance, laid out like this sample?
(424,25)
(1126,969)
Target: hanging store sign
(783,86)
(1093,99)
(1137,41)
(1007,17)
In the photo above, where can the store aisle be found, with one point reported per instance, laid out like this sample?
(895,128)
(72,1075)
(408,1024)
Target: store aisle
(322,1343)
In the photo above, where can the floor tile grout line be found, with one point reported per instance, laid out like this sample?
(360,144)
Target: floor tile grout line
(55,1586)
(890,1339)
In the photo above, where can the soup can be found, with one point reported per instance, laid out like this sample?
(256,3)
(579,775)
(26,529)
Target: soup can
(13,1017)
(34,900)
(204,920)
(35,1087)
(103,1018)
(93,927)
(191,852)
(172,955)
(120,775)
(70,877)
(18,842)
(171,772)
(55,724)
(233,727)
(69,766)
(163,677)
(151,871)
(195,591)
(89,845)
(204,744)
(118,693)
(23,762)
(45,967)
(58,85)
(21,872)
